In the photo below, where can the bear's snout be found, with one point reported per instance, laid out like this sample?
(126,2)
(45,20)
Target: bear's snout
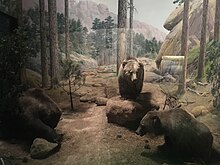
(140,131)
(133,77)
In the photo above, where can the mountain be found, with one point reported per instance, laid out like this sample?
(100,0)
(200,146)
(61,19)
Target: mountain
(171,45)
(87,11)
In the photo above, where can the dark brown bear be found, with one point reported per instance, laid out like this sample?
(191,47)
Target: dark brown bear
(183,133)
(39,115)
(130,78)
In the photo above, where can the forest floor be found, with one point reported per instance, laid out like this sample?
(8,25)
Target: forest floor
(90,140)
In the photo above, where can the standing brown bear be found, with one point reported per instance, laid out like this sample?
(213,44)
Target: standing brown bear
(184,135)
(130,78)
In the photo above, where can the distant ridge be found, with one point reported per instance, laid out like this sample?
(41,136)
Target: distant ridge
(87,11)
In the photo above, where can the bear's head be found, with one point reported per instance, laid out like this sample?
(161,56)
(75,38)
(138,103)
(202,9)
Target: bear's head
(150,123)
(131,69)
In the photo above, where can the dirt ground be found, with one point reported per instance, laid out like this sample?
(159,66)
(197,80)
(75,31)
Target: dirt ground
(90,140)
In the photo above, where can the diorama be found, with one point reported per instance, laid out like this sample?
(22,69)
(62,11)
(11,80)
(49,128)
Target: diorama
(109,82)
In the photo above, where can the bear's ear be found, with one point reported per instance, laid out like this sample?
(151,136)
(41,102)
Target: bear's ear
(141,65)
(124,63)
(156,122)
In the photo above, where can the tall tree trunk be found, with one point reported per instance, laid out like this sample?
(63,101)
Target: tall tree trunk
(10,10)
(108,50)
(44,60)
(217,17)
(131,28)
(71,97)
(184,47)
(122,24)
(67,29)
(22,72)
(53,42)
(19,12)
(202,54)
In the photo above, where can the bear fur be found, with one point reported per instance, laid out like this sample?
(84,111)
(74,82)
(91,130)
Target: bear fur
(130,78)
(183,133)
(38,115)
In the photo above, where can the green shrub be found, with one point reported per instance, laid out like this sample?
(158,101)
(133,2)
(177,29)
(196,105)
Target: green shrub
(213,71)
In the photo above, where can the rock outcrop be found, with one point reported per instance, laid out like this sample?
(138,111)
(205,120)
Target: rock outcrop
(171,45)
(87,62)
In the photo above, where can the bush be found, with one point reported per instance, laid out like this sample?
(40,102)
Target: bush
(72,75)
(14,51)
(213,74)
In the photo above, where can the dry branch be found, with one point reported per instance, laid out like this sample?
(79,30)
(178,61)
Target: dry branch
(202,84)
(203,94)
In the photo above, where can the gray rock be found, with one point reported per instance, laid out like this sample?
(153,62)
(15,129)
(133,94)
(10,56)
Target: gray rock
(199,111)
(111,91)
(101,101)
(152,77)
(41,148)
(169,78)
(88,98)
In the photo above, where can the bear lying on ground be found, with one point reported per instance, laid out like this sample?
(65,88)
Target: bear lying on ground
(38,115)
(130,78)
(183,133)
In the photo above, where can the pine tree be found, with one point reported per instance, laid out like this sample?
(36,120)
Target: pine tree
(53,43)
(44,62)
(122,24)
(184,46)
(217,19)
(67,29)
(131,41)
(202,54)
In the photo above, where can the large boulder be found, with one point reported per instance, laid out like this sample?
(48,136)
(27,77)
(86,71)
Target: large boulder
(128,113)
(199,111)
(171,45)
(41,148)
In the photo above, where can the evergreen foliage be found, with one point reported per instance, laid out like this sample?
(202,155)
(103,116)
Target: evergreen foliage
(14,51)
(213,74)
(71,74)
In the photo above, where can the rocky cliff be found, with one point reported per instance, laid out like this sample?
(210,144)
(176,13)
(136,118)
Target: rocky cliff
(87,11)
(171,45)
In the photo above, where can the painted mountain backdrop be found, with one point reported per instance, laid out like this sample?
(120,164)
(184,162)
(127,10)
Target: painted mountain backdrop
(87,11)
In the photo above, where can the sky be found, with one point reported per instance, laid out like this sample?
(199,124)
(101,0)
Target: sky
(153,12)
